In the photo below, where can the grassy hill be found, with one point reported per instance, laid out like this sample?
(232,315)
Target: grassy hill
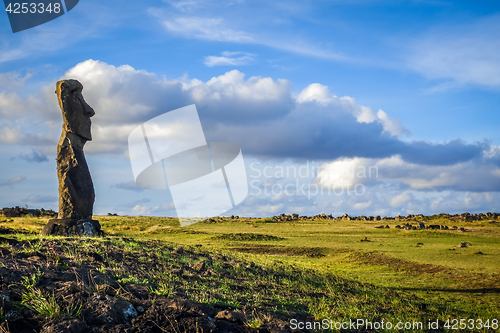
(265,272)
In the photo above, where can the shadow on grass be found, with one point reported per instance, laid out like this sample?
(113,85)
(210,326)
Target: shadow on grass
(454,290)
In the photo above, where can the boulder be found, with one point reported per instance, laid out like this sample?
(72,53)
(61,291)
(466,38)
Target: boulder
(72,227)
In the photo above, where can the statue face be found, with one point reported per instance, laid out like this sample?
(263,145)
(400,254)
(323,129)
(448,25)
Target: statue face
(76,112)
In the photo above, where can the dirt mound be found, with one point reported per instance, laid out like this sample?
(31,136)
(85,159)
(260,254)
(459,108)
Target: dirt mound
(311,252)
(247,237)
(411,268)
(8,231)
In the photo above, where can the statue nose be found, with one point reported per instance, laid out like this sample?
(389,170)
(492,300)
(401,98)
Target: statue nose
(87,109)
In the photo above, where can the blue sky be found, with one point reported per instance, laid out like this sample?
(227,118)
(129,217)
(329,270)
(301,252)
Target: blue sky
(411,88)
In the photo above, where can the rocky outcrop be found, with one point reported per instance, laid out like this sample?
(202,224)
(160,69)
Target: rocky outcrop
(19,212)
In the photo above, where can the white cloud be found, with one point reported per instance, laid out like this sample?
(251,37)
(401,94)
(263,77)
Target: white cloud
(481,175)
(260,115)
(130,186)
(206,28)
(11,105)
(320,94)
(232,86)
(465,54)
(365,114)
(13,181)
(391,125)
(476,175)
(185,5)
(141,210)
(465,201)
(12,81)
(401,199)
(316,92)
(229,59)
(191,5)
(270,209)
(11,135)
(168,206)
(345,173)
(361,205)
(124,97)
(40,198)
(226,30)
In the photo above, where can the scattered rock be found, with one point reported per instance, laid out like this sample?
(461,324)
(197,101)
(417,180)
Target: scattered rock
(19,212)
(200,265)
(231,316)
(95,257)
(108,306)
(66,326)
(104,309)
(179,250)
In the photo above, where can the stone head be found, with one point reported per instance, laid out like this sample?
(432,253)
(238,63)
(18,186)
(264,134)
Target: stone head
(76,112)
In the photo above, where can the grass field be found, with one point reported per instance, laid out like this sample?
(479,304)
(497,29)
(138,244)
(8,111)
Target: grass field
(397,275)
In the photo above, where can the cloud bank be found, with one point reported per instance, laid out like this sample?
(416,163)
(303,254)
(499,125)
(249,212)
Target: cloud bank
(258,113)
(270,122)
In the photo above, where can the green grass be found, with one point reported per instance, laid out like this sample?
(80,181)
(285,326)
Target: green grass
(31,281)
(45,305)
(321,267)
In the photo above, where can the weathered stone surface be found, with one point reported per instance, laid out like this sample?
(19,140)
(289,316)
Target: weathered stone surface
(76,190)
(72,227)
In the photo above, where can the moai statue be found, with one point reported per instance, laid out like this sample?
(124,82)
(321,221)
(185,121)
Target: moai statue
(76,190)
